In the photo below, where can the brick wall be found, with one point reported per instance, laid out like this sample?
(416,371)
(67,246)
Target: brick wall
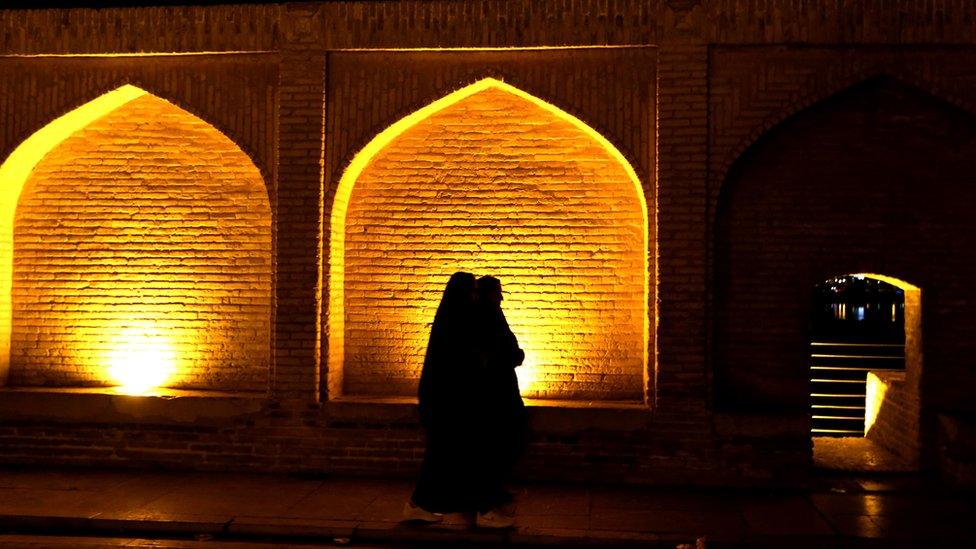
(151,219)
(154,29)
(300,116)
(495,184)
(235,93)
(370,91)
(292,85)
(896,425)
(682,127)
(872,180)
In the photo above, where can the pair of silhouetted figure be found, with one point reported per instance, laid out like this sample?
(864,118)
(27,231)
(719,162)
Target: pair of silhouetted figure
(470,406)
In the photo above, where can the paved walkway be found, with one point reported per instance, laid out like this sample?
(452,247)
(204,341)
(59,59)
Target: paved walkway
(288,509)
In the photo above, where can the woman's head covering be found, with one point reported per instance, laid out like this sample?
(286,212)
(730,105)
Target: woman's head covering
(450,352)
(489,286)
(458,296)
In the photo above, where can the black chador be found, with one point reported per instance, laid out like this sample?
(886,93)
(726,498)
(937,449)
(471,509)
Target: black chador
(447,409)
(501,412)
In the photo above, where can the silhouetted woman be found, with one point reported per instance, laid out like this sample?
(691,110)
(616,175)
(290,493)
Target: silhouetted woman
(501,416)
(447,409)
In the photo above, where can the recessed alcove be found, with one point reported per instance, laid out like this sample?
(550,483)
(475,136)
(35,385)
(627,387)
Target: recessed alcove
(869,183)
(491,180)
(141,253)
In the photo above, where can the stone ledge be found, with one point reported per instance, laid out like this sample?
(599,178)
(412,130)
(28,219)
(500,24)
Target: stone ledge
(106,405)
(545,416)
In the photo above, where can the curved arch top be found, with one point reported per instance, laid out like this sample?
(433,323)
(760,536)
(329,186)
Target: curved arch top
(818,92)
(384,138)
(362,162)
(896,282)
(792,213)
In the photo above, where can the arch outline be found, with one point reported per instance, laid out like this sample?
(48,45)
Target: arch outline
(823,89)
(17,167)
(267,176)
(819,88)
(331,383)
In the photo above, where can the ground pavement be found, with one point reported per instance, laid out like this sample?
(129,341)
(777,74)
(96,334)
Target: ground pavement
(240,508)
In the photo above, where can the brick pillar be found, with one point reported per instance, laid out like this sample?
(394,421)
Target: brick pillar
(682,244)
(301,100)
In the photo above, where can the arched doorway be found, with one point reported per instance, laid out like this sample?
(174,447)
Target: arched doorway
(857,326)
(141,240)
(491,180)
(865,367)
(871,180)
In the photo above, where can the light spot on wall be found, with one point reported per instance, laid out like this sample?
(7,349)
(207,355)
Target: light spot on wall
(140,358)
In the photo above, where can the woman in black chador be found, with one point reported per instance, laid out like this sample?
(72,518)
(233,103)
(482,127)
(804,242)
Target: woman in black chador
(501,413)
(447,409)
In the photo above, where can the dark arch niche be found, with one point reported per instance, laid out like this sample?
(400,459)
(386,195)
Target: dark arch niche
(877,178)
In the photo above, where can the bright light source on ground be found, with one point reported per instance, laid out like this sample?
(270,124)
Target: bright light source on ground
(141,360)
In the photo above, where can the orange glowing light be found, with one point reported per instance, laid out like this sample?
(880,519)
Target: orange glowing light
(535,323)
(14,173)
(141,359)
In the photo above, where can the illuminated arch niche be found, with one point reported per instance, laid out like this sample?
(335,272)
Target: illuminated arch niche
(141,252)
(491,180)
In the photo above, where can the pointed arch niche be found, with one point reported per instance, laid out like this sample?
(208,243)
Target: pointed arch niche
(136,252)
(491,180)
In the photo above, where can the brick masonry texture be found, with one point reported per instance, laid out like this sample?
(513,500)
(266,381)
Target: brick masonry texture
(160,29)
(896,427)
(485,23)
(296,374)
(368,91)
(495,184)
(147,216)
(871,180)
(684,93)
(234,93)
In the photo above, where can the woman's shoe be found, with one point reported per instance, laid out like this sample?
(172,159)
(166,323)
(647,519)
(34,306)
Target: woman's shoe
(493,519)
(413,512)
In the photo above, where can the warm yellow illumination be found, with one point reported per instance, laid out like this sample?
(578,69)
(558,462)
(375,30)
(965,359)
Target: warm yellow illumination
(528,378)
(534,328)
(896,282)
(500,49)
(143,252)
(137,54)
(141,359)
(877,388)
(14,173)
(873,400)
